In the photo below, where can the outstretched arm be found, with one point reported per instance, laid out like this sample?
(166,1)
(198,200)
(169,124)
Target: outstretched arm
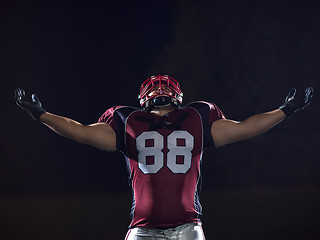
(99,135)
(228,131)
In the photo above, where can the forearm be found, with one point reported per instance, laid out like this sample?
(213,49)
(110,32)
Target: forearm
(260,123)
(63,126)
(99,135)
(228,131)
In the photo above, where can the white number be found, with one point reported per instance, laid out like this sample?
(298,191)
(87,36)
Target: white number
(151,157)
(176,151)
(153,152)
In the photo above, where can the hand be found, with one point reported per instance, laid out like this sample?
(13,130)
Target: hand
(297,103)
(34,107)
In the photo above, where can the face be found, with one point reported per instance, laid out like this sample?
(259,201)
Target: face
(156,90)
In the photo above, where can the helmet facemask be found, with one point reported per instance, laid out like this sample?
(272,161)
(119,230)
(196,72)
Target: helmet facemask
(159,91)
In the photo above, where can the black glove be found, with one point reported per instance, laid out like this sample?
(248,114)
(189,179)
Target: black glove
(297,103)
(34,108)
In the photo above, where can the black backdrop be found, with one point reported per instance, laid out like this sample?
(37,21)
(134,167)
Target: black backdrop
(84,57)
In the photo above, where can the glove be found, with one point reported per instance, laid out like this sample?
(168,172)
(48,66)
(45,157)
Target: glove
(293,103)
(34,108)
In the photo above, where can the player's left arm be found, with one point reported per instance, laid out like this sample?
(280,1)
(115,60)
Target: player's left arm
(226,131)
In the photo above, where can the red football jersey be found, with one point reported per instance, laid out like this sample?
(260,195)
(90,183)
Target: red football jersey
(163,155)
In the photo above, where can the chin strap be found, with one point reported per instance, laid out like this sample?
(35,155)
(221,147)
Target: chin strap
(160,102)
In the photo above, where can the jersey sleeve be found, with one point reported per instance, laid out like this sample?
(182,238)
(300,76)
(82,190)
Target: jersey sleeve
(209,113)
(109,118)
(215,113)
(116,118)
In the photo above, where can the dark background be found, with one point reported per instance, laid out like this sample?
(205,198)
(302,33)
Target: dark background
(82,57)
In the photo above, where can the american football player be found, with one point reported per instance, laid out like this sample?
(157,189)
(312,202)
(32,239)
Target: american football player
(162,143)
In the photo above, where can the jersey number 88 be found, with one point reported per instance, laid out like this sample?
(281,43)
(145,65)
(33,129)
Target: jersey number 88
(176,151)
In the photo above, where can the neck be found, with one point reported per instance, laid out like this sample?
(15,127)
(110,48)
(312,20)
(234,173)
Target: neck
(161,111)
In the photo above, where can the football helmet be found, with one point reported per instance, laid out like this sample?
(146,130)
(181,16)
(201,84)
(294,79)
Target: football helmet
(168,92)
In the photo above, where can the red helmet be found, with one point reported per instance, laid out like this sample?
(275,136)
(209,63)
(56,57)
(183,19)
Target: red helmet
(161,81)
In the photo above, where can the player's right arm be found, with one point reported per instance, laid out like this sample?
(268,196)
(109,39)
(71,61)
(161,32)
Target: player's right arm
(99,135)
